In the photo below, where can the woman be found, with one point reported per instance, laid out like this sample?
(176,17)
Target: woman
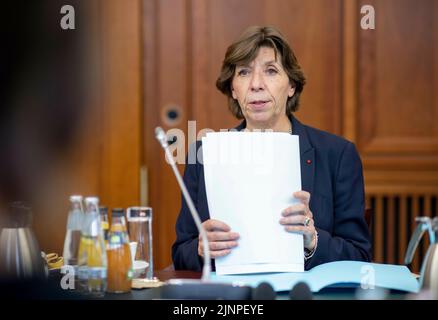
(263,82)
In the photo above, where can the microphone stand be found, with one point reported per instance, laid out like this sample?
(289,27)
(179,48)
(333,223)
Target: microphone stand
(162,138)
(193,288)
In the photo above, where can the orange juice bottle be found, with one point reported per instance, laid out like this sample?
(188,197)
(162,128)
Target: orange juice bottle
(103,211)
(119,254)
(92,259)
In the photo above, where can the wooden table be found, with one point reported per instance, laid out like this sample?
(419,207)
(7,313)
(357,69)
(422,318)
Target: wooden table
(165,275)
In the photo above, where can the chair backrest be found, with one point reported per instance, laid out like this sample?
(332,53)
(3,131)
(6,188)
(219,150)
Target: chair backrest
(369,212)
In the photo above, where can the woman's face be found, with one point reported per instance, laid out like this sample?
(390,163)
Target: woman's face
(262,89)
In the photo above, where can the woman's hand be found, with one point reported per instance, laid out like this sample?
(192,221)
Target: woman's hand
(220,238)
(298,218)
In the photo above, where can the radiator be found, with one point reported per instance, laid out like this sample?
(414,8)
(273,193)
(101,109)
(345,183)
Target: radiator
(393,222)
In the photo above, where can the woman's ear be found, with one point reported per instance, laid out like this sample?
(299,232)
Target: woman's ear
(233,93)
(291,91)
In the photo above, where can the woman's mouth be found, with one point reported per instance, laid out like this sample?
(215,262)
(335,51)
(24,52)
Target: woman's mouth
(258,104)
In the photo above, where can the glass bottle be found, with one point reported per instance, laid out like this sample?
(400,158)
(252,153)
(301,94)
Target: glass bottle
(140,231)
(73,232)
(119,254)
(104,223)
(92,260)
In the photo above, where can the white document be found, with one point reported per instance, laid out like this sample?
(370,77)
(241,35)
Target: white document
(249,179)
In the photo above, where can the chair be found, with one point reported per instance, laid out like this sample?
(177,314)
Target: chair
(169,268)
(369,212)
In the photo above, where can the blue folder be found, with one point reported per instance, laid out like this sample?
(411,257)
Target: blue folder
(334,274)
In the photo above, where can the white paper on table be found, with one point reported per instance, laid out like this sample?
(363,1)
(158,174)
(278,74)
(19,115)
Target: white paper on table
(249,179)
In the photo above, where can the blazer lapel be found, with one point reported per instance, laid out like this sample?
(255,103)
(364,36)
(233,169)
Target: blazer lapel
(307,155)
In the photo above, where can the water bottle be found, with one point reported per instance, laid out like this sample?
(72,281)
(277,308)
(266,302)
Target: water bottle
(92,260)
(73,233)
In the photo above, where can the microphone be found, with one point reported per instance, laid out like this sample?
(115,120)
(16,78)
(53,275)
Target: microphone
(264,291)
(301,291)
(162,138)
(193,288)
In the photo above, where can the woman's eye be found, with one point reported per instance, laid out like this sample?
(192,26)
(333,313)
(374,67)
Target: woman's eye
(243,72)
(271,71)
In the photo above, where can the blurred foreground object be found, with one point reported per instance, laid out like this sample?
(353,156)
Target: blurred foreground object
(43,88)
(20,256)
(429,267)
(42,93)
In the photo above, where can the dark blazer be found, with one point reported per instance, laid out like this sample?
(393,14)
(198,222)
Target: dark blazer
(331,171)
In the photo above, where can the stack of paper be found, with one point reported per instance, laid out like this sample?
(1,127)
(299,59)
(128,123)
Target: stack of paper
(249,179)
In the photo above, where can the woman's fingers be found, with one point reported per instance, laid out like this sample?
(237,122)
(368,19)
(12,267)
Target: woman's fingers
(217,248)
(297,219)
(222,236)
(220,253)
(222,245)
(303,196)
(298,208)
(298,229)
(215,225)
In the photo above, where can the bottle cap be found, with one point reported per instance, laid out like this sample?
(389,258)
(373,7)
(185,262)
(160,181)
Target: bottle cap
(75,198)
(139,212)
(93,200)
(118,212)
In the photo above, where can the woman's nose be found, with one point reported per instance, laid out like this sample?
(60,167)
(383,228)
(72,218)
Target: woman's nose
(257,82)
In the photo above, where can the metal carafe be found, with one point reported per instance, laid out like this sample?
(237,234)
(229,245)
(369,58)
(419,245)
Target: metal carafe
(20,256)
(429,267)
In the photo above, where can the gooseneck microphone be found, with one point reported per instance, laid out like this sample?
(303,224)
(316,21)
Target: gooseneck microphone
(192,288)
(162,138)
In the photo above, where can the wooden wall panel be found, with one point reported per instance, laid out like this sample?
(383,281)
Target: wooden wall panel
(317,46)
(120,115)
(396,63)
(167,83)
(77,171)
(214,37)
(314,29)
(396,128)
